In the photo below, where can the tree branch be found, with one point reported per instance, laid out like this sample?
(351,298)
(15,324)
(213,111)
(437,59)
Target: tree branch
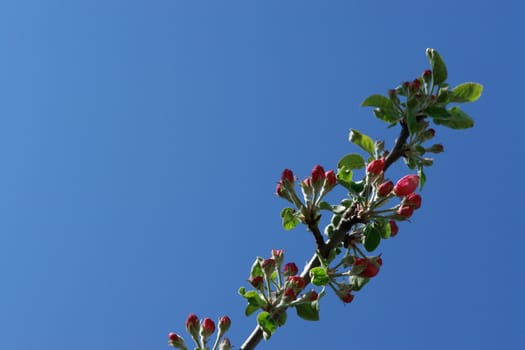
(349,219)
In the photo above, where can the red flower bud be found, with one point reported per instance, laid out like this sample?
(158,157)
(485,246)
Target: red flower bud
(370,269)
(406,185)
(376,166)
(405,211)
(256,281)
(279,189)
(290,269)
(347,298)
(208,327)
(331,179)
(427,74)
(287,175)
(414,200)
(437,148)
(415,84)
(289,294)
(379,261)
(268,266)
(311,295)
(318,174)
(192,324)
(173,337)
(296,282)
(224,324)
(385,188)
(393,228)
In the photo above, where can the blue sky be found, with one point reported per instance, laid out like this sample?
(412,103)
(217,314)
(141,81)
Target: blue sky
(140,144)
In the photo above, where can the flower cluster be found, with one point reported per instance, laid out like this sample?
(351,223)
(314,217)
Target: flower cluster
(201,331)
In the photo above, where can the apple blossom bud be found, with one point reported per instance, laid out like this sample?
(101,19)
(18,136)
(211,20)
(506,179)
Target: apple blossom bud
(415,85)
(414,200)
(278,256)
(405,211)
(347,298)
(290,269)
(225,344)
(287,175)
(427,75)
(331,180)
(256,281)
(311,296)
(394,229)
(427,135)
(406,185)
(207,327)
(268,266)
(385,188)
(437,148)
(367,267)
(318,173)
(296,282)
(176,341)
(376,166)
(289,294)
(224,324)
(192,325)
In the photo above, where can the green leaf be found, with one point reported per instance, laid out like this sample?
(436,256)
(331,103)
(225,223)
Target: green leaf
(377,100)
(363,141)
(250,309)
(358,282)
(458,119)
(439,70)
(319,276)
(371,237)
(390,116)
(289,217)
(411,122)
(422,177)
(256,269)
(281,319)
(325,206)
(267,323)
(351,161)
(437,112)
(308,311)
(466,92)
(254,298)
(383,226)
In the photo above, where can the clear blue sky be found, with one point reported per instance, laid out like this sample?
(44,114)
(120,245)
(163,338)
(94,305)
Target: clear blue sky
(140,144)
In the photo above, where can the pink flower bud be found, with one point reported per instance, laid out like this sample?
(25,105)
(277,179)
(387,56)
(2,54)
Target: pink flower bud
(369,268)
(318,174)
(192,324)
(405,211)
(173,337)
(287,175)
(278,256)
(289,294)
(331,179)
(427,74)
(311,296)
(290,269)
(176,341)
(280,190)
(385,188)
(376,166)
(224,324)
(207,327)
(414,200)
(268,266)
(347,298)
(297,282)
(256,281)
(406,185)
(394,229)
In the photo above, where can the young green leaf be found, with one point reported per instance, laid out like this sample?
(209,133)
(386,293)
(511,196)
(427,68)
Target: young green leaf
(351,161)
(319,276)
(250,309)
(363,141)
(267,323)
(308,311)
(377,100)
(371,237)
(437,112)
(411,121)
(458,119)
(439,70)
(290,219)
(466,92)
